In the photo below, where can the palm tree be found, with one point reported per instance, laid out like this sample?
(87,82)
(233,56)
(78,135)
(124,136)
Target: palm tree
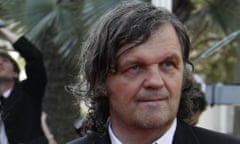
(57,27)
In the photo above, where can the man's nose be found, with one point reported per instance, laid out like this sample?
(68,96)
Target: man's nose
(154,78)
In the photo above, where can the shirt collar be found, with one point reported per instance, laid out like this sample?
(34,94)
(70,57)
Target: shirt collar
(6,94)
(167,138)
(113,137)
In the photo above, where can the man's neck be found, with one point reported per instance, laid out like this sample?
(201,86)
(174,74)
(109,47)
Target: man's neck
(6,84)
(145,137)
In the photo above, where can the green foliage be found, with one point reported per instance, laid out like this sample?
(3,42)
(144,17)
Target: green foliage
(220,66)
(210,22)
(69,20)
(225,13)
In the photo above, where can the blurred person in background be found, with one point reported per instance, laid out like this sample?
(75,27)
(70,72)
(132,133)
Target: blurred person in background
(46,130)
(21,101)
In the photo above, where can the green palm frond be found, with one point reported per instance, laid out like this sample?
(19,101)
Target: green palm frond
(69,20)
(226,14)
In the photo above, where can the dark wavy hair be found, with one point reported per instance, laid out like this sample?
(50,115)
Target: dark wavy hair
(125,24)
(193,95)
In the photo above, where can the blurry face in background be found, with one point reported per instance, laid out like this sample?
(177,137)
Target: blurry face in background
(6,69)
(146,89)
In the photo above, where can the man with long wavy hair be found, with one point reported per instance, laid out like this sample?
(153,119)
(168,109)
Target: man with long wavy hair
(132,76)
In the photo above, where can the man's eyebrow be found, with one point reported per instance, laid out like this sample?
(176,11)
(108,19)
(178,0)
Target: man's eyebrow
(125,49)
(128,61)
(133,60)
(173,56)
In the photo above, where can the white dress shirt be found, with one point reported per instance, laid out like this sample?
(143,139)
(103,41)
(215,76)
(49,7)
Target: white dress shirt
(3,136)
(167,138)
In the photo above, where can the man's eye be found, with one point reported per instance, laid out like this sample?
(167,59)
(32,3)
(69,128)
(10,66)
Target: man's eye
(168,64)
(135,67)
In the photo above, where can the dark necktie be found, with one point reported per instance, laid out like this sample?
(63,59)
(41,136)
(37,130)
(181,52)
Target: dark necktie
(1,102)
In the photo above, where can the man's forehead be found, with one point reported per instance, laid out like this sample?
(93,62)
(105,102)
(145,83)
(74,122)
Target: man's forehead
(125,48)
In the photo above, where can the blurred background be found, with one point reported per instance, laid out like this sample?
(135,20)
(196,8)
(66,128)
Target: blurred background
(58,28)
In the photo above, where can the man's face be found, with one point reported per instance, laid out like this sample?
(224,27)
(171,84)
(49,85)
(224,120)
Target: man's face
(6,69)
(146,89)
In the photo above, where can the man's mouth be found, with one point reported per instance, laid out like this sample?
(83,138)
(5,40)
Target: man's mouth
(152,99)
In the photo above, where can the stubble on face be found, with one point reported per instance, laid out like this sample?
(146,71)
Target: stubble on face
(146,90)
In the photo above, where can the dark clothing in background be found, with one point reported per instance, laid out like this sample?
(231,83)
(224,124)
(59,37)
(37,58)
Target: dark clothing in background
(21,111)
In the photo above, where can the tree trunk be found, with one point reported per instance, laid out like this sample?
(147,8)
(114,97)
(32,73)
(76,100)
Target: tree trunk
(58,103)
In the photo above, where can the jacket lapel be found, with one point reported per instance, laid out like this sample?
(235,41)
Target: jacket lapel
(184,134)
(10,104)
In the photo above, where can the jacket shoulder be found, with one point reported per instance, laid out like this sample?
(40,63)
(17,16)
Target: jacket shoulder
(209,136)
(186,134)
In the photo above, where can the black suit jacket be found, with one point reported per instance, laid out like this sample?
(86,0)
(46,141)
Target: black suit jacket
(185,134)
(21,111)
